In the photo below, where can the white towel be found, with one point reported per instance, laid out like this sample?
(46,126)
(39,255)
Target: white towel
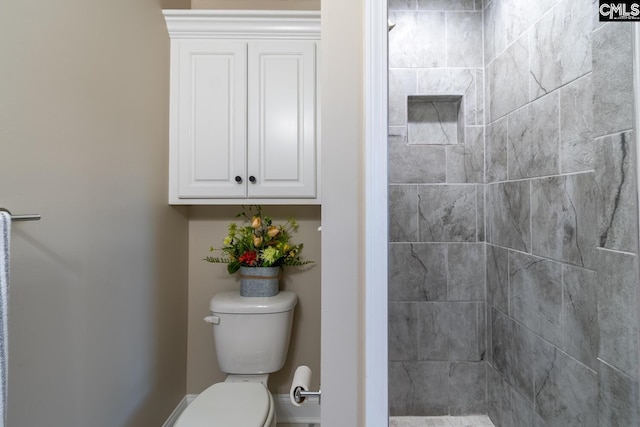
(5,233)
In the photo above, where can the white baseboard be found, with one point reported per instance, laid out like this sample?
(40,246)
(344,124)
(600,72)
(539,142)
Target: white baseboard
(286,412)
(178,410)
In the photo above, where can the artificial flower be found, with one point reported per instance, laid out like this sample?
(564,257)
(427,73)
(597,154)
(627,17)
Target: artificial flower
(259,243)
(273,231)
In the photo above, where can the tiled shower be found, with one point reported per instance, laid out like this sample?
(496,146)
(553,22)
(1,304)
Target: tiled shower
(513,275)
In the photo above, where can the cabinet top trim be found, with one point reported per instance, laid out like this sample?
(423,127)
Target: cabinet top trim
(245,24)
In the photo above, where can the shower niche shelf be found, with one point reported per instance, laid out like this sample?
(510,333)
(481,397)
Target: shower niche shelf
(435,119)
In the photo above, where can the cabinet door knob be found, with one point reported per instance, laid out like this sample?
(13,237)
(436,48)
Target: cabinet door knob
(252,179)
(238,179)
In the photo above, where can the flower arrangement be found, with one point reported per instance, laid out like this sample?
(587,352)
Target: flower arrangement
(260,243)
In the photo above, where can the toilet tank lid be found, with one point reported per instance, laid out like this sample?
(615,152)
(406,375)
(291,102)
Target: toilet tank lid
(233,302)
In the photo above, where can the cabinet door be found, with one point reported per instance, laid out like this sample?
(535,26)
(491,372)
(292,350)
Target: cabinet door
(212,119)
(281,146)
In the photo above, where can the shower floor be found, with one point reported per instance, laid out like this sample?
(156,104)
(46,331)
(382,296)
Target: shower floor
(468,421)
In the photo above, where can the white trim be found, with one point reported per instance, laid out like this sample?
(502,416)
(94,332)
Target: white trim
(636,110)
(244,24)
(376,244)
(286,412)
(178,410)
(636,97)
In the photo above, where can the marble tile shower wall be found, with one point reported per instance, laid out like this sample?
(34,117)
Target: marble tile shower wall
(437,324)
(561,231)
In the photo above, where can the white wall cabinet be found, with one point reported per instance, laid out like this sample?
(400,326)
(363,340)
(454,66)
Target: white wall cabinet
(244,116)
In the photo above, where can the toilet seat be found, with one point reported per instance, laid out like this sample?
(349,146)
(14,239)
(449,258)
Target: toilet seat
(230,405)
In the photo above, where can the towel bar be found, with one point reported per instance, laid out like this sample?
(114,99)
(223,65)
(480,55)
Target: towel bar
(24,217)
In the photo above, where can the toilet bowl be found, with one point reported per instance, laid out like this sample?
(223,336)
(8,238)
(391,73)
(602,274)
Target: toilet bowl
(230,404)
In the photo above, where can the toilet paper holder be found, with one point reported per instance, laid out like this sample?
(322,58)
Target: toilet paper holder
(300,394)
(299,391)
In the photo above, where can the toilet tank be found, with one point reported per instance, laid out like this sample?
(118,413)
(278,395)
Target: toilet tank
(252,335)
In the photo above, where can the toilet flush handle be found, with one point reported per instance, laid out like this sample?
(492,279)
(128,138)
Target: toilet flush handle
(212,319)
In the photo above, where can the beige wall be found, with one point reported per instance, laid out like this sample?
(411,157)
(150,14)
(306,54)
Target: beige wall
(257,4)
(343,287)
(207,227)
(98,301)
(175,4)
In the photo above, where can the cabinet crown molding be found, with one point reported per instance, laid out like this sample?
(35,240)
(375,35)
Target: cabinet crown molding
(242,24)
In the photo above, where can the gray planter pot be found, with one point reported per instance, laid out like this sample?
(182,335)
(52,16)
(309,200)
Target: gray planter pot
(259,281)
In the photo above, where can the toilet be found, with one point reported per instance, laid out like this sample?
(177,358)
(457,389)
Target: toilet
(251,337)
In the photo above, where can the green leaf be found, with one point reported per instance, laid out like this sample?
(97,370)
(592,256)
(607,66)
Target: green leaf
(233,266)
(217,260)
